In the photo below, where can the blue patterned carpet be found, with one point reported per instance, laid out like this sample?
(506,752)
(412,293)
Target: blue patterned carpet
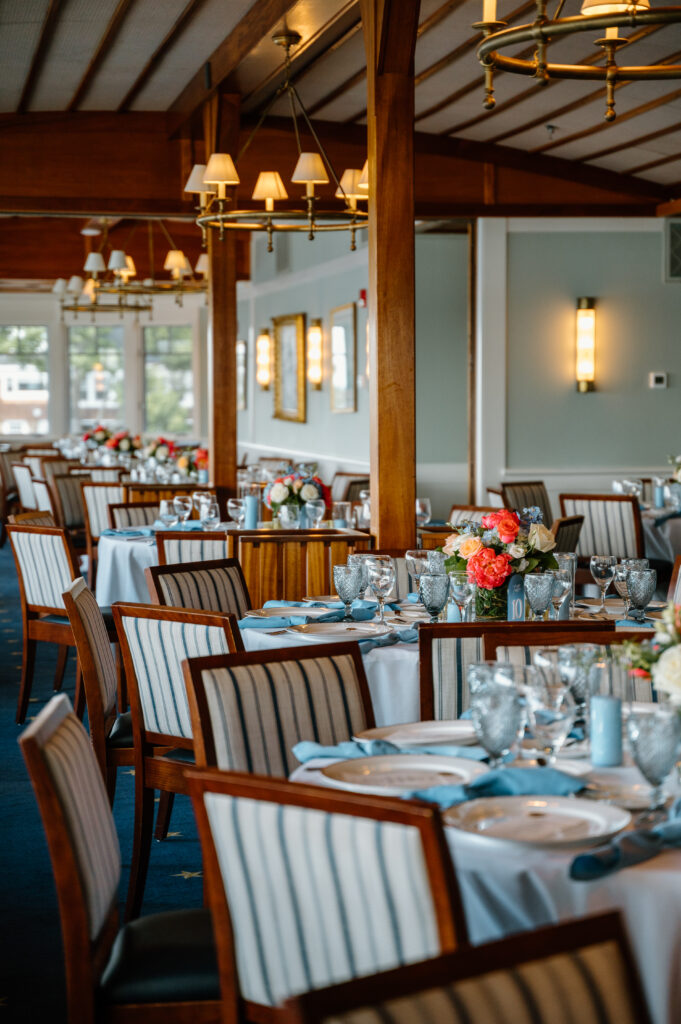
(31,967)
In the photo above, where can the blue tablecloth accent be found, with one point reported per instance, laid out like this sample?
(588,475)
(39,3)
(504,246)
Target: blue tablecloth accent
(629,848)
(397,636)
(306,750)
(188,525)
(502,782)
(636,623)
(136,531)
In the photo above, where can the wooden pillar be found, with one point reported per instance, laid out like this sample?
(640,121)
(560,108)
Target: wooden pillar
(390,38)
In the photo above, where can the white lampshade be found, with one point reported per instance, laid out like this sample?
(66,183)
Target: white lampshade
(195,182)
(594,7)
(269,186)
(309,170)
(220,170)
(175,260)
(349,184)
(75,285)
(94,263)
(117,260)
(59,286)
(186,270)
(202,264)
(363,182)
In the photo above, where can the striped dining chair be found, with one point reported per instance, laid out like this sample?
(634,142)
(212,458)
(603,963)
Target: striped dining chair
(125,514)
(249,710)
(23,478)
(527,494)
(176,546)
(162,967)
(32,519)
(43,497)
(97,496)
(68,502)
(566,531)
(217,586)
(154,643)
(612,524)
(578,971)
(309,886)
(470,513)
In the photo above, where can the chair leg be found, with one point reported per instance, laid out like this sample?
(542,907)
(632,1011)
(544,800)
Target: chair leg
(27,669)
(111,777)
(165,809)
(79,697)
(141,846)
(62,655)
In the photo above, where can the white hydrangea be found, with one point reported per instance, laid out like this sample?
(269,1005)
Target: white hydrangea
(309,492)
(278,493)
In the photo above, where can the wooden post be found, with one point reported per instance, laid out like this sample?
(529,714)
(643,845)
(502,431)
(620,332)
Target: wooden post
(390,38)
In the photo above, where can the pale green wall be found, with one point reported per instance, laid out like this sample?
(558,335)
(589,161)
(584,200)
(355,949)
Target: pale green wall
(638,328)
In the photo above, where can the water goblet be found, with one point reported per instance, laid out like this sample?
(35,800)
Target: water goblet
(423,511)
(433,593)
(361,560)
(347,579)
(417,564)
(236,510)
(562,585)
(551,713)
(436,561)
(462,590)
(381,581)
(315,511)
(167,513)
(183,506)
(538,591)
(603,571)
(289,516)
(641,585)
(654,736)
(620,581)
(567,562)
(341,513)
(209,514)
(199,496)
(497,711)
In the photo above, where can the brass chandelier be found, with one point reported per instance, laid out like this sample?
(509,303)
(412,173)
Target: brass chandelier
(595,15)
(212,180)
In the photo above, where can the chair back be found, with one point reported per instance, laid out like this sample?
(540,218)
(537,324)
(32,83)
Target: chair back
(154,643)
(612,524)
(674,592)
(133,513)
(176,546)
(447,649)
(139,492)
(308,885)
(579,971)
(97,496)
(470,513)
(566,531)
(68,500)
(346,486)
(217,586)
(249,710)
(55,465)
(46,566)
(7,457)
(106,474)
(43,496)
(23,478)
(495,497)
(32,519)
(527,494)
(34,463)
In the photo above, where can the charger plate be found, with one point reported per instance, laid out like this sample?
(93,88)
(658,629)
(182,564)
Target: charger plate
(289,611)
(395,774)
(339,630)
(460,732)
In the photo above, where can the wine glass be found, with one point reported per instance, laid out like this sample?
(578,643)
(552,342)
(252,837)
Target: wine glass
(289,516)
(462,590)
(347,579)
(620,581)
(436,561)
(603,571)
(361,560)
(433,593)
(641,585)
(538,591)
(562,586)
(551,713)
(417,564)
(654,736)
(209,514)
(315,510)
(567,562)
(497,709)
(199,496)
(183,505)
(236,510)
(381,580)
(423,511)
(167,513)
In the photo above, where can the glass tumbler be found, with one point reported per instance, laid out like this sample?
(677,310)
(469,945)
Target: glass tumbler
(433,593)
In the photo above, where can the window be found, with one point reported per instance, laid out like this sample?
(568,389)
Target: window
(24,384)
(95,377)
(168,381)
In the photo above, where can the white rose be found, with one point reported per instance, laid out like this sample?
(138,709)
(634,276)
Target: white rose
(278,493)
(100,435)
(516,550)
(309,492)
(124,444)
(667,673)
(540,538)
(452,544)
(162,452)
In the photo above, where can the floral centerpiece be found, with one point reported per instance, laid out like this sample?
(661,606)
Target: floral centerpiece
(160,449)
(491,551)
(295,489)
(659,659)
(193,462)
(123,442)
(97,436)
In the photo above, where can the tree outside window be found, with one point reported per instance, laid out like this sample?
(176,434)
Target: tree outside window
(96,376)
(24,381)
(168,381)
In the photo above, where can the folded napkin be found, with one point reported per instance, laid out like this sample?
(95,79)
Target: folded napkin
(360,611)
(189,525)
(636,623)
(306,750)
(502,782)
(137,531)
(397,636)
(661,520)
(629,848)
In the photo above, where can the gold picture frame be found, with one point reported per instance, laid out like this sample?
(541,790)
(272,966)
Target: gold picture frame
(289,368)
(343,356)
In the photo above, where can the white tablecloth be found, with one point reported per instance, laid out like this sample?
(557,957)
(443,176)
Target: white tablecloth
(120,569)
(662,542)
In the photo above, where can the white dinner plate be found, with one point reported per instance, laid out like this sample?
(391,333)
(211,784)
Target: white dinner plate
(324,598)
(289,611)
(543,821)
(421,734)
(634,796)
(563,764)
(340,630)
(394,774)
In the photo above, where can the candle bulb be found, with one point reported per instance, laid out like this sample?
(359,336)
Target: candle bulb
(611,33)
(489,10)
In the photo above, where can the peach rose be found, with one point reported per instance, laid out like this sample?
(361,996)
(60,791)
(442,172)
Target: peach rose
(470,546)
(451,545)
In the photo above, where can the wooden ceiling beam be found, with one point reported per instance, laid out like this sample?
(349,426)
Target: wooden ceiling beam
(660,162)
(105,44)
(673,207)
(38,62)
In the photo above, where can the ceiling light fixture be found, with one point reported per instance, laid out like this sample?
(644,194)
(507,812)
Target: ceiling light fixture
(595,15)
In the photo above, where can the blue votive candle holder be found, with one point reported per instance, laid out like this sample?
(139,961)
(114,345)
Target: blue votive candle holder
(605,729)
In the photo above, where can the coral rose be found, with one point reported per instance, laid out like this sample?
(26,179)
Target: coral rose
(488,569)
(507,525)
(470,546)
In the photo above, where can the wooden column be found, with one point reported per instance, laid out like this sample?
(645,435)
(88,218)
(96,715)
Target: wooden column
(390,37)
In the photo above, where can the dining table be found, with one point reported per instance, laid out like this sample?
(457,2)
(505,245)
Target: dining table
(661,534)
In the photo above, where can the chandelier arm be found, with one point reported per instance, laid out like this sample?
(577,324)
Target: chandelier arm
(587,72)
(165,231)
(318,141)
(294,118)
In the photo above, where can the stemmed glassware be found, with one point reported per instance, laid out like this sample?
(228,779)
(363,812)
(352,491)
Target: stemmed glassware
(417,564)
(315,511)
(497,707)
(603,571)
(209,514)
(236,510)
(347,579)
(462,591)
(641,585)
(621,571)
(538,591)
(289,516)
(551,707)
(423,511)
(200,496)
(361,559)
(183,506)
(562,586)
(167,513)
(567,562)
(654,737)
(381,581)
(433,593)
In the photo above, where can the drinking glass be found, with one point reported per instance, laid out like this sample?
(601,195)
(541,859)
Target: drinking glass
(167,513)
(361,561)
(603,571)
(551,713)
(567,562)
(423,511)
(538,591)
(209,514)
(199,496)
(381,581)
(433,593)
(641,585)
(365,498)
(315,511)
(341,512)
(183,506)
(347,579)
(417,564)
(462,591)
(654,736)
(236,509)
(621,571)
(497,709)
(562,585)
(436,561)
(289,516)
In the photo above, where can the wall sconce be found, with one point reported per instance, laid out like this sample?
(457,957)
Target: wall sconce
(315,338)
(586,345)
(263,348)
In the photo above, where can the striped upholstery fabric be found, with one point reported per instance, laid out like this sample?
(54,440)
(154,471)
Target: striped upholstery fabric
(34,463)
(609,526)
(42,496)
(105,475)
(78,782)
(98,641)
(218,589)
(193,549)
(522,655)
(22,476)
(134,515)
(451,658)
(158,648)
(316,897)
(44,567)
(567,531)
(97,499)
(7,457)
(71,500)
(259,712)
(38,518)
(462,515)
(525,495)
(589,985)
(56,467)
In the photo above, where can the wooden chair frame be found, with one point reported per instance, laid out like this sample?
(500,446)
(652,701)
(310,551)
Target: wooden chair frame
(153,572)
(193,668)
(90,540)
(9,501)
(152,770)
(674,580)
(626,499)
(128,504)
(426,818)
(428,632)
(524,637)
(22,465)
(504,955)
(32,519)
(567,521)
(206,535)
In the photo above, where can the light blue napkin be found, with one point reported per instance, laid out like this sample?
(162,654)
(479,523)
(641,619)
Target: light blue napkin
(188,525)
(502,782)
(397,636)
(413,597)
(306,750)
(636,623)
(129,531)
(661,520)
(361,611)
(629,848)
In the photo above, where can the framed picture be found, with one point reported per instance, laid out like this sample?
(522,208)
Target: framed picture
(289,367)
(344,358)
(241,374)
